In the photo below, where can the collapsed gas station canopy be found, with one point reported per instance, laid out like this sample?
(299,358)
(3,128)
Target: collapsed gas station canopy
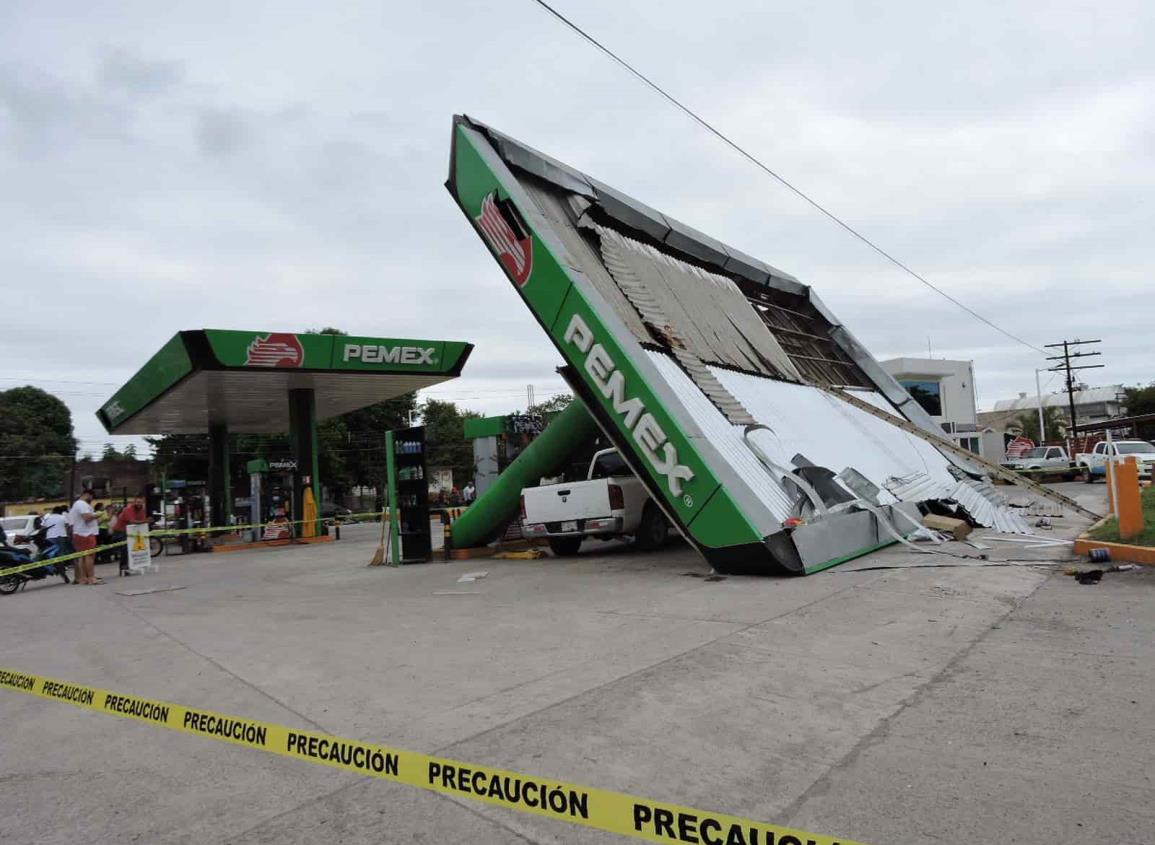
(758,423)
(240,379)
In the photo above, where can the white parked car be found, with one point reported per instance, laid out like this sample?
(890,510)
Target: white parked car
(19,531)
(1093,464)
(610,503)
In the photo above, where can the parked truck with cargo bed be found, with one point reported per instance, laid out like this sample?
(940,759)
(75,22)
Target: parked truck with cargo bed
(610,502)
(1093,464)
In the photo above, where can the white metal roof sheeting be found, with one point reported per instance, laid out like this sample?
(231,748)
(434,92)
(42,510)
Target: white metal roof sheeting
(724,437)
(833,433)
(830,433)
(985,503)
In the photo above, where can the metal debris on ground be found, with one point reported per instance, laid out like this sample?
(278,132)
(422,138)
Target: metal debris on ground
(526,554)
(1037,507)
(472,576)
(1094,576)
(149,591)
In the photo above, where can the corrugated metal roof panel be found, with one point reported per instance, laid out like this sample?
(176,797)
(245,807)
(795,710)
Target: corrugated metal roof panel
(725,438)
(833,434)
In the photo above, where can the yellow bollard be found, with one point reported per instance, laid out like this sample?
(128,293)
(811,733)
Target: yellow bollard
(1128,506)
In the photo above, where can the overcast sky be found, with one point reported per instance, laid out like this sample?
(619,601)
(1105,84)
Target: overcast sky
(168,166)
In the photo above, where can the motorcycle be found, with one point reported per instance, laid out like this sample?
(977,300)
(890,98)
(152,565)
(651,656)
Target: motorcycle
(10,557)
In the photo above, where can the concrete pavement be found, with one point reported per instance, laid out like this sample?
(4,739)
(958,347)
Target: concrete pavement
(891,706)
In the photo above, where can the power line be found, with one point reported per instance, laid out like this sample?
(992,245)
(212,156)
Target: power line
(670,98)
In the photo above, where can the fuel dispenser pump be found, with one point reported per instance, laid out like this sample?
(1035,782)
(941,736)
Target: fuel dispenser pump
(271,485)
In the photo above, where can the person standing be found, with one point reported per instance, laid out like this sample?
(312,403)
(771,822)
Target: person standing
(55,527)
(103,518)
(468,493)
(133,513)
(85,526)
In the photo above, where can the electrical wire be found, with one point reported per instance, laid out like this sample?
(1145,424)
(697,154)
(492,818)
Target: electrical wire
(709,127)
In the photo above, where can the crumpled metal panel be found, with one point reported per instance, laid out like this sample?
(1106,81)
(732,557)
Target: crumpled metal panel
(725,438)
(984,502)
(833,433)
(830,433)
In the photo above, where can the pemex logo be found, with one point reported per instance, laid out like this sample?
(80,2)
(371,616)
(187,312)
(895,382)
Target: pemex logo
(276,349)
(502,226)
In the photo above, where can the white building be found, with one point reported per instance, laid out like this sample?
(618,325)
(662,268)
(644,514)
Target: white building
(946,390)
(1092,404)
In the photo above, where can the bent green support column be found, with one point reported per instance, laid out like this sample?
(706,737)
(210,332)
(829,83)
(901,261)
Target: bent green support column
(572,429)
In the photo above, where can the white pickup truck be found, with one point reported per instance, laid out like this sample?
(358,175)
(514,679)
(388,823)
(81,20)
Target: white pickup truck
(1044,460)
(610,502)
(1093,464)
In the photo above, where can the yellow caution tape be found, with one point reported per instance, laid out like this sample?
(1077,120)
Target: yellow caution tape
(616,812)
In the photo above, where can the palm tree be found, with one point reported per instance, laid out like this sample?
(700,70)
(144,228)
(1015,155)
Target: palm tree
(1055,421)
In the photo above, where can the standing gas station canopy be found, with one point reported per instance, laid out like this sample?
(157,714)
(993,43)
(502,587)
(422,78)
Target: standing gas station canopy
(241,379)
(219,382)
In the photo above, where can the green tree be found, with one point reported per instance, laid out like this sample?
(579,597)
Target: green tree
(366,427)
(109,453)
(1053,418)
(553,405)
(445,438)
(181,456)
(37,446)
(130,451)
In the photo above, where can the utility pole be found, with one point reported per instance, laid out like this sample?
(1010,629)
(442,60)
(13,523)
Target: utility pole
(1039,396)
(1065,366)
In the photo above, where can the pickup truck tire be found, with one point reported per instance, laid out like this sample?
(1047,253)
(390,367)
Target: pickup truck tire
(653,531)
(1087,477)
(565,546)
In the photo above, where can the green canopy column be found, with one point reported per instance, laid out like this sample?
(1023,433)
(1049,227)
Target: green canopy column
(220,479)
(303,440)
(571,430)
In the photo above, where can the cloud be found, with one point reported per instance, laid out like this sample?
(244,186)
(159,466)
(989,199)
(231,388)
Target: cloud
(163,172)
(125,69)
(221,132)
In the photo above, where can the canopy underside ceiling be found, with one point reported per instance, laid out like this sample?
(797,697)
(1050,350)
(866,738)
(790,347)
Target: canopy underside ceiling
(257,402)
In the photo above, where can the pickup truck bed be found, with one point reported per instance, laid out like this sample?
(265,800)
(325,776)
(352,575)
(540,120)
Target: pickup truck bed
(610,502)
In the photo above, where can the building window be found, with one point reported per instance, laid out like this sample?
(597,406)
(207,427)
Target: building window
(925,393)
(970,444)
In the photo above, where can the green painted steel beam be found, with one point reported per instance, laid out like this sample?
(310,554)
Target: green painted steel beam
(571,430)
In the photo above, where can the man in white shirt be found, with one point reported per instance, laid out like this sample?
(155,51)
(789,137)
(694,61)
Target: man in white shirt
(85,527)
(55,526)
